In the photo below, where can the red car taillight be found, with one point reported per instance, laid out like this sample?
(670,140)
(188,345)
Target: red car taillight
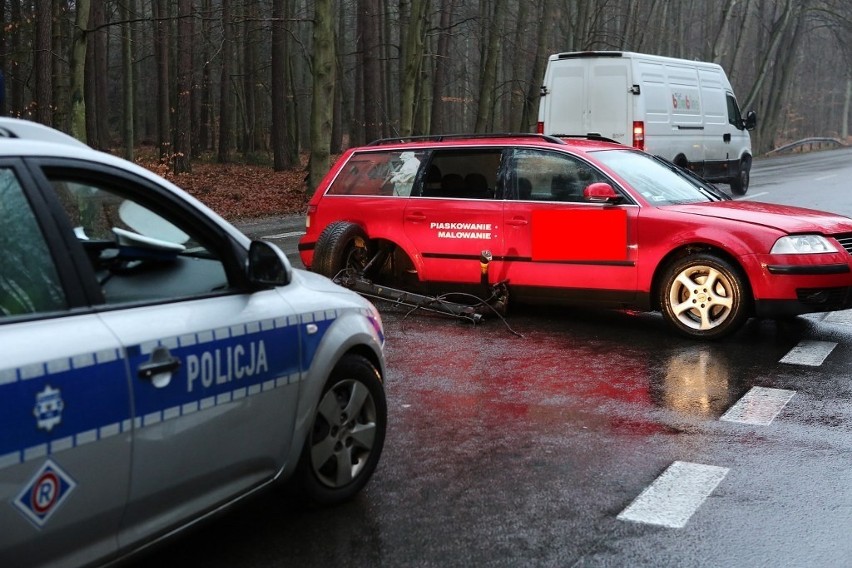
(312,209)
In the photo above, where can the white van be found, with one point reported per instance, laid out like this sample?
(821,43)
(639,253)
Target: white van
(684,111)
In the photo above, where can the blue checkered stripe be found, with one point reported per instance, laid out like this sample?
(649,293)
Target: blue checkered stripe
(230,364)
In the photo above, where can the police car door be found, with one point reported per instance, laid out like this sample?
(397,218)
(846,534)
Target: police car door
(213,368)
(65,428)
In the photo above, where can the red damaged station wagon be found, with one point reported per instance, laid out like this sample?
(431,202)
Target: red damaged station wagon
(576,221)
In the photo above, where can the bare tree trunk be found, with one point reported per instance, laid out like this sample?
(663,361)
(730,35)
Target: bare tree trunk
(78,68)
(779,29)
(321,112)
(43,67)
(722,36)
(61,80)
(251,139)
(4,47)
(643,31)
(368,23)
(440,73)
(768,127)
(489,71)
(100,46)
(628,31)
(127,131)
(337,120)
(414,59)
(183,108)
(161,44)
(518,64)
(536,77)
(225,86)
(280,155)
(294,126)
(392,69)
(205,110)
(742,35)
(16,88)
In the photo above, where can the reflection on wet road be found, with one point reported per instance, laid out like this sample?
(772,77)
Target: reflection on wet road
(505,451)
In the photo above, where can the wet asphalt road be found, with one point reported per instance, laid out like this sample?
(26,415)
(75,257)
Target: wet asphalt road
(519,443)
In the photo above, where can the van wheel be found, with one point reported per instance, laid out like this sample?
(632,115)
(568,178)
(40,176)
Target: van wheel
(341,246)
(703,296)
(739,184)
(343,447)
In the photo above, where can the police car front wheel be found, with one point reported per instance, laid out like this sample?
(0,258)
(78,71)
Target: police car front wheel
(344,445)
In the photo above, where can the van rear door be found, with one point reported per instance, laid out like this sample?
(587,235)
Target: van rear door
(588,94)
(564,105)
(610,99)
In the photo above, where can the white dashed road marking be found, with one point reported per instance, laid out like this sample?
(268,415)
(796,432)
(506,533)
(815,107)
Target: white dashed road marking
(752,196)
(843,317)
(284,235)
(808,352)
(678,492)
(675,496)
(759,406)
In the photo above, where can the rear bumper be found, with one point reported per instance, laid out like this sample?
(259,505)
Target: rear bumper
(306,253)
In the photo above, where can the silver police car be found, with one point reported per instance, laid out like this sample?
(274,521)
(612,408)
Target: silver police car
(156,365)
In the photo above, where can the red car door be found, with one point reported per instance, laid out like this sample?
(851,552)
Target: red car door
(455,216)
(555,240)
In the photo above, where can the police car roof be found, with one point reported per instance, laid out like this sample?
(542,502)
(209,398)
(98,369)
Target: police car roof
(26,138)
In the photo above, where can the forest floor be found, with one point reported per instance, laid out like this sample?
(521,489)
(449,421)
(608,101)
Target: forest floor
(239,191)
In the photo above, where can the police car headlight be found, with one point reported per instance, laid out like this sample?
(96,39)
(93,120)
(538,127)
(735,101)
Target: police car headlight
(802,244)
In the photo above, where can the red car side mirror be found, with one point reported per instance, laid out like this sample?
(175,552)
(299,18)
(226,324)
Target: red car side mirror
(600,192)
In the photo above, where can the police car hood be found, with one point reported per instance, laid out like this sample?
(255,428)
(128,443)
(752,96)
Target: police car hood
(782,217)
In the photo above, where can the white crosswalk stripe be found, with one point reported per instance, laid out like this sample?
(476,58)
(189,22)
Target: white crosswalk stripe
(809,352)
(759,406)
(675,496)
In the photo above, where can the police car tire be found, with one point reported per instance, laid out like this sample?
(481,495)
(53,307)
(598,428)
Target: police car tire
(316,481)
(728,283)
(334,245)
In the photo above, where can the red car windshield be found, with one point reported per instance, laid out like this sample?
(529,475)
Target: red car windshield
(657,182)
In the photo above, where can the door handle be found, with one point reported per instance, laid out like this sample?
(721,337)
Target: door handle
(415,216)
(726,137)
(160,367)
(517,222)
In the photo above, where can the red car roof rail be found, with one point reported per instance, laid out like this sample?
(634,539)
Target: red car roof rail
(442,137)
(589,136)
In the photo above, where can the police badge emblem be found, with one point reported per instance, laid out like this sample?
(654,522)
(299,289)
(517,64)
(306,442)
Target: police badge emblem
(48,408)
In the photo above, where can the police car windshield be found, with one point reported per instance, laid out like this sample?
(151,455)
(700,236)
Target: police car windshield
(658,184)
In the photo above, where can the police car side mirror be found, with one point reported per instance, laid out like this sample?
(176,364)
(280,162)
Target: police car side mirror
(268,265)
(600,192)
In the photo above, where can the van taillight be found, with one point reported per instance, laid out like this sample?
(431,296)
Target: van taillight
(639,134)
(539,129)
